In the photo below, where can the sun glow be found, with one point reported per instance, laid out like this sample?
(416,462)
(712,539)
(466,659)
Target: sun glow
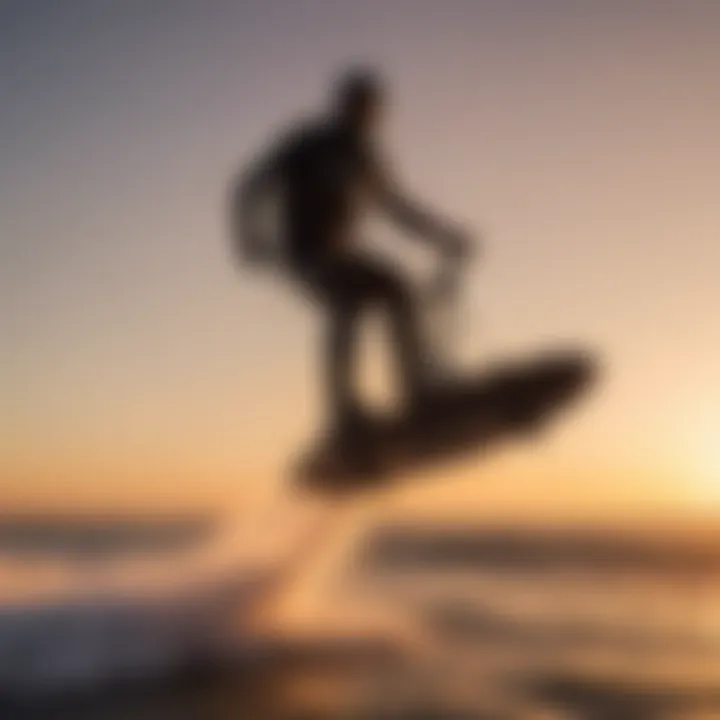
(705,460)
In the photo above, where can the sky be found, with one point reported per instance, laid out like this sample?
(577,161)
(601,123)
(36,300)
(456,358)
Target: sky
(578,138)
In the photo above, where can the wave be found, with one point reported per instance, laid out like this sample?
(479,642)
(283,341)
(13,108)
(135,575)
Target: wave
(72,626)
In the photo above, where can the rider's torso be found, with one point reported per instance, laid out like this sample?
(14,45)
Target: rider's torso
(324,171)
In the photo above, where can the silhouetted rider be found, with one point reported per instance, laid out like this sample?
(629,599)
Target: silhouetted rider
(324,174)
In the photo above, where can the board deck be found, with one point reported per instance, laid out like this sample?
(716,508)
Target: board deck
(512,400)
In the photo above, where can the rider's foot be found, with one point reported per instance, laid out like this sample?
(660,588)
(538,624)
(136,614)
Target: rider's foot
(425,404)
(352,424)
(354,433)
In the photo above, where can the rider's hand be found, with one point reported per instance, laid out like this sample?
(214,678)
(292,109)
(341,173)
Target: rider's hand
(457,244)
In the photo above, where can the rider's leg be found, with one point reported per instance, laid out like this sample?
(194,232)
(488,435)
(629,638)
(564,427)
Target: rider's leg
(340,359)
(335,287)
(347,288)
(379,284)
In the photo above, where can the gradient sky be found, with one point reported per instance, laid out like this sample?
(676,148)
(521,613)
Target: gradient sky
(580,137)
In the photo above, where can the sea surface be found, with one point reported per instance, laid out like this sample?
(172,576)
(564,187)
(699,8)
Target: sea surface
(201,618)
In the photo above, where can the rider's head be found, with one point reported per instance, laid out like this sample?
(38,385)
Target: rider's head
(358,98)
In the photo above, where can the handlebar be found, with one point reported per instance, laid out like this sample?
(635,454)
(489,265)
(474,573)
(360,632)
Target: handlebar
(445,283)
(442,306)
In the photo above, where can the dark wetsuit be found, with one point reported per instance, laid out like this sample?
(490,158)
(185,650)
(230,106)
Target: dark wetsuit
(325,175)
(321,169)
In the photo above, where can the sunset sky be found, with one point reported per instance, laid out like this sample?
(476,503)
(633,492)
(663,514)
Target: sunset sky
(581,138)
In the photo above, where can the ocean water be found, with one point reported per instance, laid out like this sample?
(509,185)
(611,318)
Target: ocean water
(502,623)
(87,604)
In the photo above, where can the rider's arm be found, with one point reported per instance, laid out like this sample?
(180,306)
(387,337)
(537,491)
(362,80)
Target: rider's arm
(409,214)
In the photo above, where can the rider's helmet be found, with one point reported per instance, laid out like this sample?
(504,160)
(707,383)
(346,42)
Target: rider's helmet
(358,95)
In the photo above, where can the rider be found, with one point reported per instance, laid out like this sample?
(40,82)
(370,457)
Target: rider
(326,172)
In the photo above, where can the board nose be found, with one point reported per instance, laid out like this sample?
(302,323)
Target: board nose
(588,370)
(570,372)
(581,373)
